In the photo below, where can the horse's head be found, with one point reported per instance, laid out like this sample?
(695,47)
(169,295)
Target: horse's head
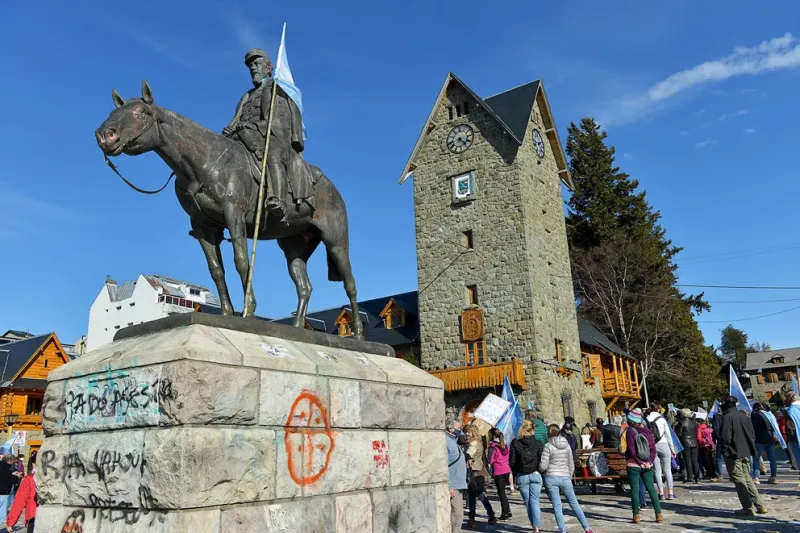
(131,128)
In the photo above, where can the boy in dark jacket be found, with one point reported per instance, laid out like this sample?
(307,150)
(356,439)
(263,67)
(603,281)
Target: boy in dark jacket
(765,442)
(738,446)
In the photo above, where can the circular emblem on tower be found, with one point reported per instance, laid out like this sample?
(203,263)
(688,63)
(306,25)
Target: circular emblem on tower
(460,139)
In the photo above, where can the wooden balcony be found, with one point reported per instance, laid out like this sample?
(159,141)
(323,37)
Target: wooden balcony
(618,376)
(481,376)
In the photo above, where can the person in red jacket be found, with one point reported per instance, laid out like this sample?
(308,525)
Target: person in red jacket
(26,500)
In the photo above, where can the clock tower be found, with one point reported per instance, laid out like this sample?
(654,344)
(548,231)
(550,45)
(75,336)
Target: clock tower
(494,275)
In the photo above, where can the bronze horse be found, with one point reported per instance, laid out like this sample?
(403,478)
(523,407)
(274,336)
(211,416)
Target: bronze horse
(216,184)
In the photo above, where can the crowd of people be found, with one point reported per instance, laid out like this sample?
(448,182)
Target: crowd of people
(18,494)
(659,446)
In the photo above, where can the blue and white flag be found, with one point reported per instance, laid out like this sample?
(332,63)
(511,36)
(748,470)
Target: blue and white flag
(511,421)
(283,76)
(714,410)
(735,389)
(676,442)
(794,385)
(775,428)
(8,446)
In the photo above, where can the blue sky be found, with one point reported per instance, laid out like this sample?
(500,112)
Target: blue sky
(700,100)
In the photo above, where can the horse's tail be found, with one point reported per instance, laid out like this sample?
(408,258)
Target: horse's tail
(333,270)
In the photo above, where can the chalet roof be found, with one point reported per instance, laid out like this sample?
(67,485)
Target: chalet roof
(512,111)
(17,333)
(164,284)
(374,328)
(14,355)
(756,361)
(591,335)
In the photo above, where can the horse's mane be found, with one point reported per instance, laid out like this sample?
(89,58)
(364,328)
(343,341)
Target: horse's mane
(181,119)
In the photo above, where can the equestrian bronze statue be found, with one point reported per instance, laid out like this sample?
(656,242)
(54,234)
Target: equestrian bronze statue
(217,181)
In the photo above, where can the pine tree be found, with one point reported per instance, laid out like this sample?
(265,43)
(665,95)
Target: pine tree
(625,275)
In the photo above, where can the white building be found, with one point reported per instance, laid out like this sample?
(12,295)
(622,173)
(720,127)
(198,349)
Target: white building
(148,298)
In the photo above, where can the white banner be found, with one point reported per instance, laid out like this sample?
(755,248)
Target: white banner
(19,438)
(491,409)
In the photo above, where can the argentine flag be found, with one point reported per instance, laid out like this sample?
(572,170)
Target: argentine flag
(283,76)
(8,446)
(735,389)
(511,420)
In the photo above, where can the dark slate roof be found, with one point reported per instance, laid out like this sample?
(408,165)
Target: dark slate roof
(374,327)
(17,333)
(26,383)
(499,118)
(515,106)
(14,355)
(757,361)
(591,335)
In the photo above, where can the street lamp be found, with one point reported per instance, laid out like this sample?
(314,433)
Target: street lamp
(11,419)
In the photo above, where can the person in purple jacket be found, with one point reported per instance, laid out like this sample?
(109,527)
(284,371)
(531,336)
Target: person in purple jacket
(640,463)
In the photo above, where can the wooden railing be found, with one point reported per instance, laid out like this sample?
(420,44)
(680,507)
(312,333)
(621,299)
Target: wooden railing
(481,376)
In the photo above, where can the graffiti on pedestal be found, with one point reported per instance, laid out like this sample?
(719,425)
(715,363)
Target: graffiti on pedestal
(308,439)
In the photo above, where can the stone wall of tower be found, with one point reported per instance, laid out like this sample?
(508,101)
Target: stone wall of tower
(549,269)
(497,264)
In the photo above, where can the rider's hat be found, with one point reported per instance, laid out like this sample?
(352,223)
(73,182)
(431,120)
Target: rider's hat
(254,54)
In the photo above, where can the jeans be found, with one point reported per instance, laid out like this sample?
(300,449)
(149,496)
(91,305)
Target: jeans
(5,503)
(773,464)
(563,485)
(456,511)
(471,502)
(636,476)
(530,486)
(739,470)
(719,460)
(663,465)
(501,482)
(690,457)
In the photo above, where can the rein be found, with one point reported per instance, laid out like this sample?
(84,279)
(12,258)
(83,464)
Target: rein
(113,167)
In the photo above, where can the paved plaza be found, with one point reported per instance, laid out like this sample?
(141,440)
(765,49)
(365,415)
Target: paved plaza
(706,507)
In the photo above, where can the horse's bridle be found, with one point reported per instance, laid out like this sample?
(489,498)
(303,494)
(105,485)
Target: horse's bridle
(113,167)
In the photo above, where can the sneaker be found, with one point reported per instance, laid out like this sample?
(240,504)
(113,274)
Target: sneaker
(504,517)
(756,481)
(761,509)
(745,512)
(492,520)
(772,481)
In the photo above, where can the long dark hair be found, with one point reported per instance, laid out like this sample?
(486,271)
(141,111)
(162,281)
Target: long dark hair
(495,433)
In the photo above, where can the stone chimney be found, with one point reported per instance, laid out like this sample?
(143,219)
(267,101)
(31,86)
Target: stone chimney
(110,281)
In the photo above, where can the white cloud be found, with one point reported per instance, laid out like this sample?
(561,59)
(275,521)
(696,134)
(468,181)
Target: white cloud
(703,144)
(699,112)
(627,156)
(23,213)
(749,131)
(779,53)
(726,116)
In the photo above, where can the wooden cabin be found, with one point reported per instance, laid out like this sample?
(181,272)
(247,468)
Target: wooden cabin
(617,372)
(26,364)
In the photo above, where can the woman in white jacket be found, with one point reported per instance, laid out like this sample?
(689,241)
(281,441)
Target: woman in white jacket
(557,466)
(665,450)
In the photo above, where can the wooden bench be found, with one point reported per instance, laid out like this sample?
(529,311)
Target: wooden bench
(617,468)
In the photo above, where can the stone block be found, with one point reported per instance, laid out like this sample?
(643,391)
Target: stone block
(434,409)
(209,466)
(56,518)
(51,469)
(345,409)
(404,510)
(442,492)
(354,513)
(317,515)
(193,392)
(270,353)
(293,399)
(392,406)
(417,457)
(53,409)
(343,363)
(404,373)
(359,460)
(197,342)
(104,469)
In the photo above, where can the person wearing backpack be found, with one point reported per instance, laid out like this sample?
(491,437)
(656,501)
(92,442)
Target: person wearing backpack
(526,454)
(705,439)
(640,455)
(665,450)
(765,442)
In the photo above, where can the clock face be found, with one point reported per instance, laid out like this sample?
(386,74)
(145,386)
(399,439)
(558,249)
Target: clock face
(459,139)
(538,143)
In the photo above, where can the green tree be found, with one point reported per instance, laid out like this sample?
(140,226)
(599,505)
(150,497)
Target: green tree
(625,275)
(733,347)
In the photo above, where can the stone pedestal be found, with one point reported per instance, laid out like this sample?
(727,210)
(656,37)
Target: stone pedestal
(205,424)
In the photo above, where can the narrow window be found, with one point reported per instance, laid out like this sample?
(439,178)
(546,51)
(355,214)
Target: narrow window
(475,353)
(45,363)
(566,404)
(466,108)
(472,294)
(592,411)
(468,239)
(132,304)
(195,292)
(559,353)
(450,111)
(458,110)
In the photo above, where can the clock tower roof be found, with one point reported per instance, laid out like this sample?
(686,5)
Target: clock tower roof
(512,110)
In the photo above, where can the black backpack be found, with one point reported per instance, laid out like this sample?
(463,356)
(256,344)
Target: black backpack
(653,427)
(526,455)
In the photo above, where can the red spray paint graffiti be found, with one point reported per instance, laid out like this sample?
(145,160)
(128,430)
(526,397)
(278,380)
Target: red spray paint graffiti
(308,438)
(380,458)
